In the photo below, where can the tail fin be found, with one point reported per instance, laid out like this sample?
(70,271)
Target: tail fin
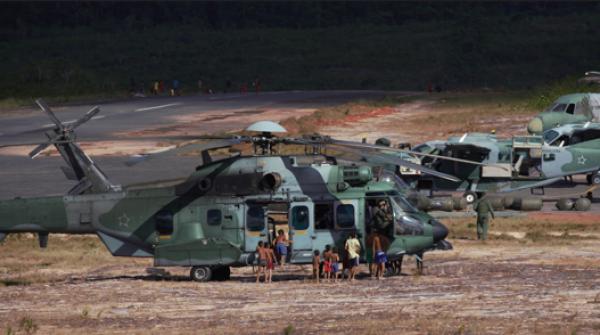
(80,166)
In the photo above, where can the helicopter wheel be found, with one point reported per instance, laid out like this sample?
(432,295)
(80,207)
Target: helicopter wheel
(201,273)
(594,179)
(221,273)
(470,197)
(419,260)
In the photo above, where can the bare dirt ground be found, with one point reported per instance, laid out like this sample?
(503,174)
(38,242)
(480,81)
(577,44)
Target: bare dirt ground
(545,280)
(431,117)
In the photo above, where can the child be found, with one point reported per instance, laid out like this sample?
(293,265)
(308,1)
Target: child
(316,263)
(327,262)
(262,261)
(335,264)
(270,264)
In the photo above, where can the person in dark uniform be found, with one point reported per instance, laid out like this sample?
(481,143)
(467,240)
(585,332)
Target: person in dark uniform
(381,216)
(484,210)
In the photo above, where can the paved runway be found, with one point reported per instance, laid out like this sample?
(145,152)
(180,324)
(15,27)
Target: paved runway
(21,176)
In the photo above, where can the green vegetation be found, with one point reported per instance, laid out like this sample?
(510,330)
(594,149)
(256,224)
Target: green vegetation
(451,46)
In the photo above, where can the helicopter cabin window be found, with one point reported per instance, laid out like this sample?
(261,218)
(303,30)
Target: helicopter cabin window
(571,109)
(255,218)
(345,216)
(324,216)
(300,219)
(559,108)
(163,222)
(213,217)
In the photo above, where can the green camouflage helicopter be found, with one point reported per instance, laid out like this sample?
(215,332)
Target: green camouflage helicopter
(521,162)
(571,108)
(214,219)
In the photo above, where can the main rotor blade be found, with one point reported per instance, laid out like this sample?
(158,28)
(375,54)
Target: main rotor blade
(184,148)
(401,162)
(381,148)
(42,104)
(27,144)
(90,114)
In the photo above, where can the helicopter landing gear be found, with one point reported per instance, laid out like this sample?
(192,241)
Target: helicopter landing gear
(419,258)
(206,273)
(593,178)
(470,197)
(201,273)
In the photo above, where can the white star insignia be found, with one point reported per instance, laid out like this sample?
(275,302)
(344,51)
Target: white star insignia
(581,160)
(123,220)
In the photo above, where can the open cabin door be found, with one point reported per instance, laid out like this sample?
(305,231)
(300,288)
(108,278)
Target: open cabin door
(526,161)
(302,233)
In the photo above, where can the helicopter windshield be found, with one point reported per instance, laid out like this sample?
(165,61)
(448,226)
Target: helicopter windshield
(550,136)
(391,177)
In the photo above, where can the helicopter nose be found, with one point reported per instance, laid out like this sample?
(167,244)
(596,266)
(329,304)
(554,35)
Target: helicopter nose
(535,126)
(439,231)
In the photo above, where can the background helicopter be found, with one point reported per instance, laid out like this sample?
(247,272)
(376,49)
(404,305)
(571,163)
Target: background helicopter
(214,219)
(571,108)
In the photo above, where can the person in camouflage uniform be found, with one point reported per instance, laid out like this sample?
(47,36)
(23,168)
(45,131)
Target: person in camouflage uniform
(484,210)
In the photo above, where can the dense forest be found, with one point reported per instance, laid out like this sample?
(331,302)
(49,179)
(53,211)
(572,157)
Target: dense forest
(85,48)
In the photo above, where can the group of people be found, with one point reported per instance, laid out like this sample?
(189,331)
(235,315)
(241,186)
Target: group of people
(158,88)
(268,256)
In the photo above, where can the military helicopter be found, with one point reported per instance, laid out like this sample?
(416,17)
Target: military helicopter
(520,162)
(583,140)
(214,219)
(571,108)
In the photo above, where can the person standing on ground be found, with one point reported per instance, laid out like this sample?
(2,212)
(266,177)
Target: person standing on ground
(484,210)
(335,264)
(327,262)
(353,248)
(380,256)
(270,263)
(316,262)
(281,246)
(262,261)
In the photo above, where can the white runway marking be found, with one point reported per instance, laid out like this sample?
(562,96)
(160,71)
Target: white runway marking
(97,117)
(157,107)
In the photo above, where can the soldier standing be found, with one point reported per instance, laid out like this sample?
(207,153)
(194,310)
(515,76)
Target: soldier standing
(484,210)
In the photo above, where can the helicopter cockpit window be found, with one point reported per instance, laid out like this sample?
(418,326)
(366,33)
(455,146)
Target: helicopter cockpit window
(213,217)
(559,108)
(407,225)
(324,216)
(300,219)
(571,109)
(550,136)
(345,216)
(255,218)
(163,222)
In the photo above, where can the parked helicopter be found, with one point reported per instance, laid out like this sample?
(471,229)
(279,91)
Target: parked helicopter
(584,141)
(214,219)
(571,108)
(520,162)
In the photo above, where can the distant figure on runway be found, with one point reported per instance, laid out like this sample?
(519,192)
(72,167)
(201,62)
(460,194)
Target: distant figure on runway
(484,210)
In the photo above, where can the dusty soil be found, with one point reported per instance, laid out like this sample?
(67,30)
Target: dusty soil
(426,118)
(525,286)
